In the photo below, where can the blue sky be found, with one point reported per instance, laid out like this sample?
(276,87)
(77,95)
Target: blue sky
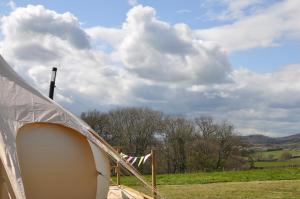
(265,60)
(234,59)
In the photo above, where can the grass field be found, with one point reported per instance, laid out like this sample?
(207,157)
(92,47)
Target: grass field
(215,177)
(291,162)
(269,183)
(285,189)
(278,153)
(250,184)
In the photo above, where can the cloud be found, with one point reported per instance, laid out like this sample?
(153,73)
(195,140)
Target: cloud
(268,101)
(23,23)
(12,5)
(265,103)
(132,2)
(37,52)
(224,11)
(237,9)
(155,50)
(261,29)
(148,62)
(35,39)
(111,36)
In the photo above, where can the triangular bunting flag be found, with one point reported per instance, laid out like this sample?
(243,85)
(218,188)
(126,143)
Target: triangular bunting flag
(134,160)
(141,160)
(146,157)
(130,158)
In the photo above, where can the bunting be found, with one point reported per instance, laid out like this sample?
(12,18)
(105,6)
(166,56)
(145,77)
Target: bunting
(135,159)
(146,157)
(141,160)
(132,159)
(129,159)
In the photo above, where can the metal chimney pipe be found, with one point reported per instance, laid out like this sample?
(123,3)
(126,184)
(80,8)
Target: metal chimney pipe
(52,82)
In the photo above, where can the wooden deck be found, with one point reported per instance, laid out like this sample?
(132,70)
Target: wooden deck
(123,192)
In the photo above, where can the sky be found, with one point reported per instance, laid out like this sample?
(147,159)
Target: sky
(235,60)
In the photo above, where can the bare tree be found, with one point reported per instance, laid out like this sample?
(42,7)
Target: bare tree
(97,121)
(206,126)
(134,128)
(177,136)
(215,144)
(182,144)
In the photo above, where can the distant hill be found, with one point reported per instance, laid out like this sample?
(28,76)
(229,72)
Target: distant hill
(266,140)
(289,139)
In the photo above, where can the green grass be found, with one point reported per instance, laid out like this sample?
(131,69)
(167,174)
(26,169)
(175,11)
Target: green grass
(291,162)
(215,177)
(285,189)
(277,154)
(256,184)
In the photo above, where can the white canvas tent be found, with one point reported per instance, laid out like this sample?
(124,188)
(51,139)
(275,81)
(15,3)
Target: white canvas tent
(45,151)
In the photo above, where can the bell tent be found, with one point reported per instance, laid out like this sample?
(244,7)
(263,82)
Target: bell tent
(47,152)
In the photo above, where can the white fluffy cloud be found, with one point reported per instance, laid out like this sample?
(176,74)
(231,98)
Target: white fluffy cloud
(155,50)
(147,62)
(24,23)
(262,29)
(36,39)
(111,36)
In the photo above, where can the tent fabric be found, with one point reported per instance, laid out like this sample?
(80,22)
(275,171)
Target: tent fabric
(21,104)
(52,153)
(6,191)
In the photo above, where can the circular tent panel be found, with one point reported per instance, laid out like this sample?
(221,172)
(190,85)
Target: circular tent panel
(56,162)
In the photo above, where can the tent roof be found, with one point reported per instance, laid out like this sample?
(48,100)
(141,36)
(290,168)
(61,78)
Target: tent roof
(22,104)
